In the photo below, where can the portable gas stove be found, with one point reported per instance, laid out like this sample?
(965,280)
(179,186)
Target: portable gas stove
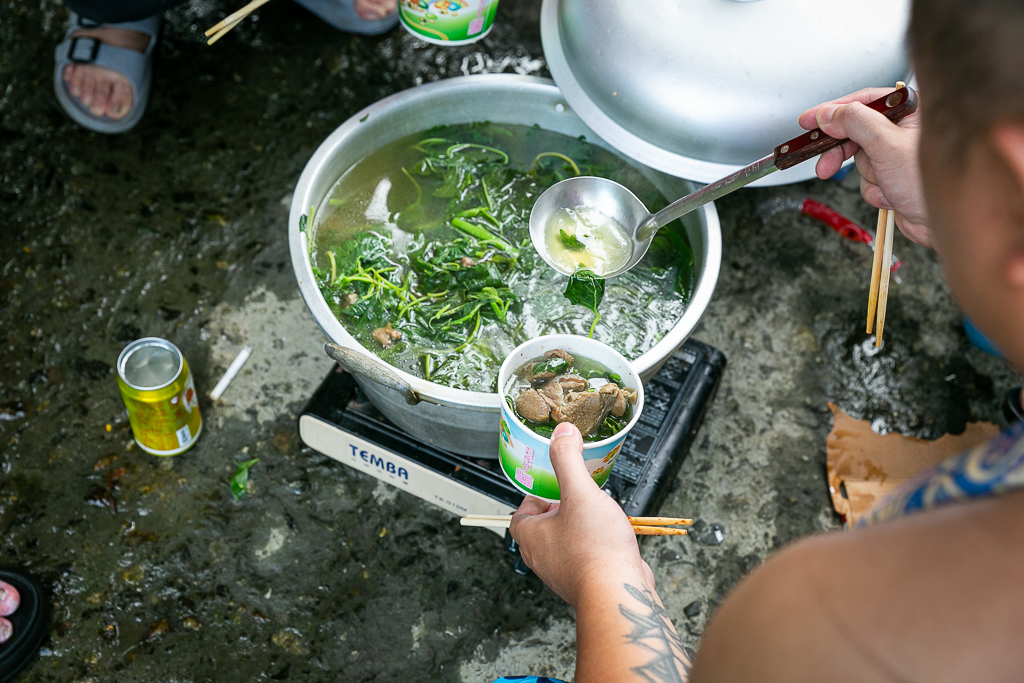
(340,422)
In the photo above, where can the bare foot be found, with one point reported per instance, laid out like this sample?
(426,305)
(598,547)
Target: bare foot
(375,9)
(103,91)
(9,601)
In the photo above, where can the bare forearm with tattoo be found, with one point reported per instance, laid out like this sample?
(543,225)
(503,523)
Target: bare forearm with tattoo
(585,550)
(653,631)
(628,637)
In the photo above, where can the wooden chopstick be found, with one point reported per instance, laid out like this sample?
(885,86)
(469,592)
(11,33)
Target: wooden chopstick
(644,521)
(660,521)
(219,30)
(876,268)
(883,279)
(235,16)
(881,267)
(642,526)
(657,531)
(223,32)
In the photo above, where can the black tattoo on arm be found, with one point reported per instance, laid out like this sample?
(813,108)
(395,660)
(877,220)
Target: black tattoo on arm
(653,631)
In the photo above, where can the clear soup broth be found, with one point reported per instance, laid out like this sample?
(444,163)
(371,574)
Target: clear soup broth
(423,252)
(586,238)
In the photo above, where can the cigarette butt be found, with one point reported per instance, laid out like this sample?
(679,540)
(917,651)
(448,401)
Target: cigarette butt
(233,369)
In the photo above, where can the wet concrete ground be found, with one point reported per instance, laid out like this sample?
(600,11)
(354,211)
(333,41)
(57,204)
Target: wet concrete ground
(320,573)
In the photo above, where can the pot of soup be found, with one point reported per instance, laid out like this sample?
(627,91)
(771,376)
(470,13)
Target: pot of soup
(409,237)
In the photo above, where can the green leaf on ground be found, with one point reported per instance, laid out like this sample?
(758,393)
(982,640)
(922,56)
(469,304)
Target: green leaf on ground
(241,478)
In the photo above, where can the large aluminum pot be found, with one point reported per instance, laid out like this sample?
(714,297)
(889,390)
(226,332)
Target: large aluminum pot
(460,421)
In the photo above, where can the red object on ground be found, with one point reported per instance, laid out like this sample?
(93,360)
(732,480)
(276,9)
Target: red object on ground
(841,224)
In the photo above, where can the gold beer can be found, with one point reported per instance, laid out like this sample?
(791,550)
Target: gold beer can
(160,396)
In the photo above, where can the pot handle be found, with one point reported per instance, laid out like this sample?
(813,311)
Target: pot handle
(359,364)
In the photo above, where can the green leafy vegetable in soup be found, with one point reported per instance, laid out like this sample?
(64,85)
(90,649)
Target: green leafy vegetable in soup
(586,238)
(570,242)
(586,289)
(423,252)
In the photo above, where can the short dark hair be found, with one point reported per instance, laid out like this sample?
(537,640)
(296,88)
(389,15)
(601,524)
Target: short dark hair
(970,54)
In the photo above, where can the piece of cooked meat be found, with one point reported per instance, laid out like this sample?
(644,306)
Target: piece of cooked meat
(587,411)
(561,354)
(573,383)
(532,406)
(556,388)
(552,391)
(386,336)
(467,262)
(619,407)
(622,396)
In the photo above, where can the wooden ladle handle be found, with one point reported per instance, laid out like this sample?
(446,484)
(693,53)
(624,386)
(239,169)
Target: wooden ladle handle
(895,106)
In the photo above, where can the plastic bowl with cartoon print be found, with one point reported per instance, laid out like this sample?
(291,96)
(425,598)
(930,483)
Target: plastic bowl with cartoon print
(448,22)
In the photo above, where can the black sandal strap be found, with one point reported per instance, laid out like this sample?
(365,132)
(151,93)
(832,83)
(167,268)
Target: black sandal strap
(83,49)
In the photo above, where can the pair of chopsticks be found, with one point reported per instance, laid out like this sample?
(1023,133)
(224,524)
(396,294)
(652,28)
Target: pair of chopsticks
(215,33)
(642,526)
(881,265)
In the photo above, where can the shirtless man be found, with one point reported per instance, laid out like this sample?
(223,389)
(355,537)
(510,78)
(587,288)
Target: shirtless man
(936,593)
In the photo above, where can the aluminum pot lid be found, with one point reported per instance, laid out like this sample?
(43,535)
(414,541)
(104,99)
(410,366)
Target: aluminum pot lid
(701,88)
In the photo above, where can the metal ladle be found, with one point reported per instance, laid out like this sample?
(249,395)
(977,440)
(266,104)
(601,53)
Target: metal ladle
(618,203)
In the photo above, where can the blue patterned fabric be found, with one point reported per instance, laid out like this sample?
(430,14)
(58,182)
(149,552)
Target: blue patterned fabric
(992,468)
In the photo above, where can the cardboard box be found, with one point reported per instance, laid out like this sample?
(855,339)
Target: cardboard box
(863,467)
